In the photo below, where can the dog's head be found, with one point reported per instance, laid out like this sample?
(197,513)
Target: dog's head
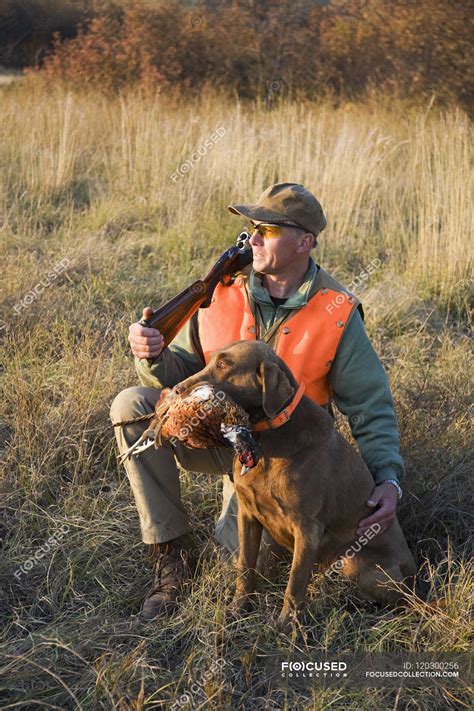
(252,374)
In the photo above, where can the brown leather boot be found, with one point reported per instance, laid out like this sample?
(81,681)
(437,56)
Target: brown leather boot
(175,563)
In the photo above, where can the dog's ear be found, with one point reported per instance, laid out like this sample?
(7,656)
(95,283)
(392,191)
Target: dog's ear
(276,387)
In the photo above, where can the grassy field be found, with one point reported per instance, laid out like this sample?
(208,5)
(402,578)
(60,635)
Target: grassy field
(106,198)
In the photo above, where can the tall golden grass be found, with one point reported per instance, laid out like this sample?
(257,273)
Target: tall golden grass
(394,181)
(93,181)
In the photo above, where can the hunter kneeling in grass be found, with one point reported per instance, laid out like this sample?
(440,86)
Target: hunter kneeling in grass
(344,368)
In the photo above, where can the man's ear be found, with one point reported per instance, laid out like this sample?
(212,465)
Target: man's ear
(307,241)
(276,387)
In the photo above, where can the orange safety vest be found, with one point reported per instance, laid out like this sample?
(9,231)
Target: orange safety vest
(307,342)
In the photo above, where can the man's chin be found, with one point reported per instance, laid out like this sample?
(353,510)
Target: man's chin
(260,266)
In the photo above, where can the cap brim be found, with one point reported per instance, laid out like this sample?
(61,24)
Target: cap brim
(256,212)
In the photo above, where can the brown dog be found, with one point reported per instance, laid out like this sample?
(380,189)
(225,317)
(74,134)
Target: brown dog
(309,488)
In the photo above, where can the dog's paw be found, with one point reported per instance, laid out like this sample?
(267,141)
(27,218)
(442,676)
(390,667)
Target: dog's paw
(286,622)
(240,606)
(283,624)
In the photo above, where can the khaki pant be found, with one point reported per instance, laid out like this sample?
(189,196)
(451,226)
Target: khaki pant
(154,476)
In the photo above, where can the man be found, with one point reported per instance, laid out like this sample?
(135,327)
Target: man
(282,286)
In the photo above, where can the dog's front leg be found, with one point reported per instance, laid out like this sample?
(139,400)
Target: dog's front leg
(304,556)
(250,536)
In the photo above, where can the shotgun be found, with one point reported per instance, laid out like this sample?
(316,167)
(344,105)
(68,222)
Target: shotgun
(171,316)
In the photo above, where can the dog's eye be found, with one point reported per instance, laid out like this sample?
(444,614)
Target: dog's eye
(221,364)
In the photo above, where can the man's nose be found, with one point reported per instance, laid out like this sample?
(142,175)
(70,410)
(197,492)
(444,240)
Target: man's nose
(256,238)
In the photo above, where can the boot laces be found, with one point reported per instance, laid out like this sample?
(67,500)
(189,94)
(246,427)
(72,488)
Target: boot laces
(171,566)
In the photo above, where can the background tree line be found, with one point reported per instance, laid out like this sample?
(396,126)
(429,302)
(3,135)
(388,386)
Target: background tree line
(252,47)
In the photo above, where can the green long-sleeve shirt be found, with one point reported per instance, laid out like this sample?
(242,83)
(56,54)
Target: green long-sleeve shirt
(358,379)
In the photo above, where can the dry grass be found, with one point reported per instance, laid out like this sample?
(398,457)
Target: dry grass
(88,180)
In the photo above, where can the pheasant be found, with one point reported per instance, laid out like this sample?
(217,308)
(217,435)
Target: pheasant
(200,419)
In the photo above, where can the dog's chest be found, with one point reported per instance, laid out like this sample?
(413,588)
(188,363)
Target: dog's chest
(255,492)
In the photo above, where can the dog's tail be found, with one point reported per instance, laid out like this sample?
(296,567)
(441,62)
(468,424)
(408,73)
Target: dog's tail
(142,418)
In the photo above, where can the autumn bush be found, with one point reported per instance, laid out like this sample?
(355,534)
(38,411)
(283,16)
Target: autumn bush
(275,49)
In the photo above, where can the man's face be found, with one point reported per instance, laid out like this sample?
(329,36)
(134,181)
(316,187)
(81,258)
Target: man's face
(275,248)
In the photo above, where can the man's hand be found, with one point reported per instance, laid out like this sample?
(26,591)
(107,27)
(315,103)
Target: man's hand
(145,342)
(385,496)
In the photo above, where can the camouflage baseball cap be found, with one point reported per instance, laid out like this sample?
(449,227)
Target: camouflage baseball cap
(286,202)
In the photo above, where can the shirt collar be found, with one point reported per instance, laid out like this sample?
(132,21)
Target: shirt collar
(296,300)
